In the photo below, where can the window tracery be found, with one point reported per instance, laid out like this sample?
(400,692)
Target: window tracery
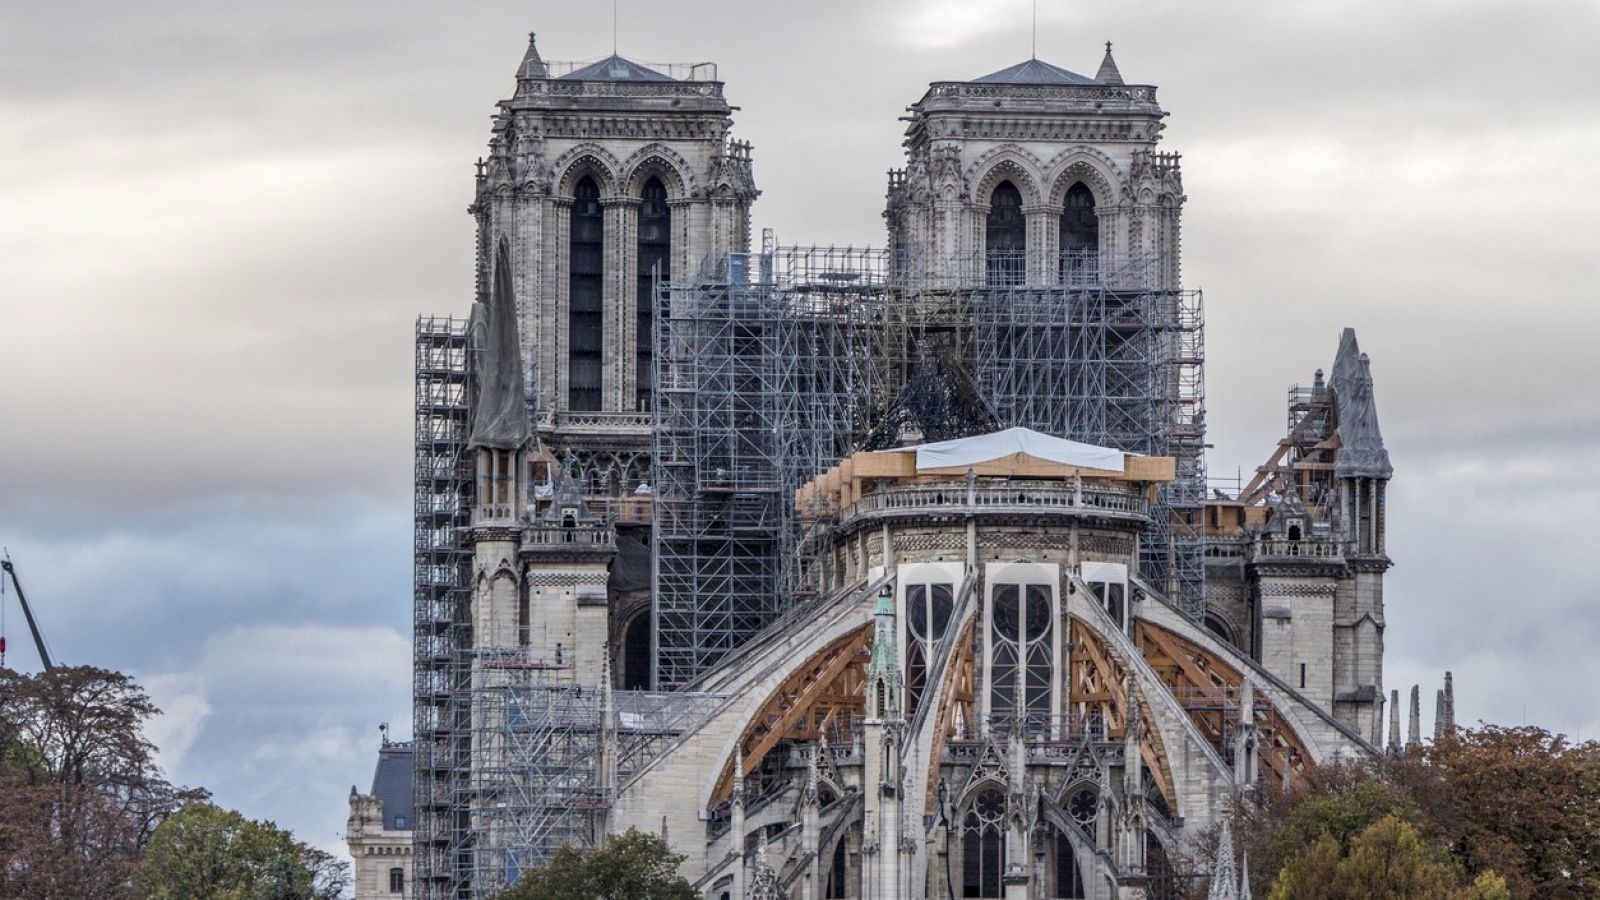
(983,843)
(1021,655)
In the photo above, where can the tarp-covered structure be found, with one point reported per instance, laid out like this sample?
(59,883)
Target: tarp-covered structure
(500,417)
(969,451)
(1362,453)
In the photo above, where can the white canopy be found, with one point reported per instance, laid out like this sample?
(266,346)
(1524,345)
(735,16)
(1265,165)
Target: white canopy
(985,447)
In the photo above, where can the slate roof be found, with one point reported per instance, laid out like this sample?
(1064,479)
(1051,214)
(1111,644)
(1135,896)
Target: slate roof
(1034,71)
(391,784)
(615,68)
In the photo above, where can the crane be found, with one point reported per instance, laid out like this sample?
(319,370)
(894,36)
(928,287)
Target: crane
(38,639)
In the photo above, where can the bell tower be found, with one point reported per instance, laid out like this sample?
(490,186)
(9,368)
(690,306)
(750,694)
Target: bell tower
(1034,175)
(604,177)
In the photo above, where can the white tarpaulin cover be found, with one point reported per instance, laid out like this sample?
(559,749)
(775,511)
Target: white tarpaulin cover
(985,447)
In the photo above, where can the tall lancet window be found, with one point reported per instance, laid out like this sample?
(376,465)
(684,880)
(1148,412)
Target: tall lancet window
(983,845)
(927,615)
(1080,236)
(655,260)
(1006,236)
(1021,656)
(586,313)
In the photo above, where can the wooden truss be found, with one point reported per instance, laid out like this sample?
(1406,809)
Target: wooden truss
(824,692)
(1310,460)
(1100,683)
(955,694)
(1209,688)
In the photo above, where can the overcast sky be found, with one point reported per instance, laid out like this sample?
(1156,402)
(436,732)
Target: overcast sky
(218,222)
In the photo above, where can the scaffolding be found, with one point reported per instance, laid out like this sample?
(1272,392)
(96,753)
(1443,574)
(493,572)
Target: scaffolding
(754,372)
(442,630)
(535,773)
(769,368)
(772,366)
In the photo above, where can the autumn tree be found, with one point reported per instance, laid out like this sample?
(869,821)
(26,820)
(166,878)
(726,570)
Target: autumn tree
(83,793)
(1524,803)
(634,865)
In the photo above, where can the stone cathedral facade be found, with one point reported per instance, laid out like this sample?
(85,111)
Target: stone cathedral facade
(978,690)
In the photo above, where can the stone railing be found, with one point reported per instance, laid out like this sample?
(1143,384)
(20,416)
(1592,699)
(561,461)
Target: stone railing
(1299,549)
(596,420)
(557,537)
(678,71)
(1087,95)
(1033,499)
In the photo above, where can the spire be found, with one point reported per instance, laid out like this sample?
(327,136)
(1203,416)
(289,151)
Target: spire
(1224,878)
(1244,876)
(1394,721)
(1449,704)
(883,672)
(1438,714)
(1414,728)
(500,418)
(1108,73)
(532,68)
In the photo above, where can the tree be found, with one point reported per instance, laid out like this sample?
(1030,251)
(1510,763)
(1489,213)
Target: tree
(1386,861)
(634,865)
(1338,801)
(209,853)
(82,791)
(79,725)
(1524,803)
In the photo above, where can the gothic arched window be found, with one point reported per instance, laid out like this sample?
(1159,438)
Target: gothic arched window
(655,260)
(1080,235)
(636,653)
(927,616)
(1006,236)
(1021,655)
(983,846)
(1069,876)
(836,873)
(586,311)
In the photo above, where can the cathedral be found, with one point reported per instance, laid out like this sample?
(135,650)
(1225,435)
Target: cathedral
(864,573)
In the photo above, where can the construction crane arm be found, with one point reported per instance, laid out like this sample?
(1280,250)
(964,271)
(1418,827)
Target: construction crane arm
(38,639)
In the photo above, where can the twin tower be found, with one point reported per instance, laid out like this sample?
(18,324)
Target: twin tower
(610,461)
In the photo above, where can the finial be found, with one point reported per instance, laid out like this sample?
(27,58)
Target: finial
(1108,73)
(532,67)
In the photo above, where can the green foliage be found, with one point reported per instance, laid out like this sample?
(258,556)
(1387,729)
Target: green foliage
(217,854)
(633,865)
(1386,861)
(1517,810)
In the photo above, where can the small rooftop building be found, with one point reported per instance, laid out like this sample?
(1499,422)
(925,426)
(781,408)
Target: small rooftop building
(379,829)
